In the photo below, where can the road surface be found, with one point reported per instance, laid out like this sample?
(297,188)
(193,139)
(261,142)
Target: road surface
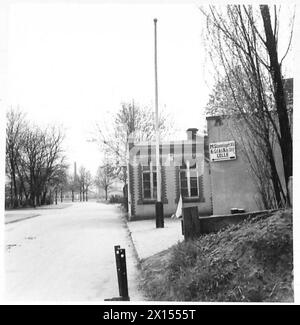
(68,255)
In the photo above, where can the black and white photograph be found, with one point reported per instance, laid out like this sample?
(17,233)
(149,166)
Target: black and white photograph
(147,153)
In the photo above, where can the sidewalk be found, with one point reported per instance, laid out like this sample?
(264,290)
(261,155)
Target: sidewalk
(149,240)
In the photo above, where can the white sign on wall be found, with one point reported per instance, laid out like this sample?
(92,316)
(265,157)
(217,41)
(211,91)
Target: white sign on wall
(220,151)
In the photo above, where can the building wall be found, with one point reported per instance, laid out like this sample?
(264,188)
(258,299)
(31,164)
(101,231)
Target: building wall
(142,210)
(232,183)
(205,208)
(225,184)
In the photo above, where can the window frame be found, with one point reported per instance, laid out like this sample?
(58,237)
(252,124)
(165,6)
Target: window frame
(153,189)
(187,172)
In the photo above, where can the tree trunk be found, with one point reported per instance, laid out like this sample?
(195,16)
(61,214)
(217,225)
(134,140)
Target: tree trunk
(44,197)
(22,189)
(32,199)
(61,195)
(72,195)
(55,196)
(26,198)
(275,178)
(11,194)
(285,140)
(106,190)
(14,183)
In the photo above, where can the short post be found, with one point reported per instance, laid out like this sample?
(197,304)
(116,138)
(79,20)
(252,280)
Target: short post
(117,256)
(191,223)
(124,283)
(159,212)
(120,255)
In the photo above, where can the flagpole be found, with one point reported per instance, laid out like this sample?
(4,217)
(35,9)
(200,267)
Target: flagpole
(159,211)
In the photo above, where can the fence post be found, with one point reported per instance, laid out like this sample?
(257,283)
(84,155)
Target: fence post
(191,223)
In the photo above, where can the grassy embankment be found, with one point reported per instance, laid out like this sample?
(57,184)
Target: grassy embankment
(249,262)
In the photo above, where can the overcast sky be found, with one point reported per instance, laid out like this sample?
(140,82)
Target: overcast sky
(74,63)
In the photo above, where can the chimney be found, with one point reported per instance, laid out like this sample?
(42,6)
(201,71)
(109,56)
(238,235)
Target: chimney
(191,133)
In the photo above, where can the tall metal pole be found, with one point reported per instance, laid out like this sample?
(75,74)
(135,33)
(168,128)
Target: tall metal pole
(159,205)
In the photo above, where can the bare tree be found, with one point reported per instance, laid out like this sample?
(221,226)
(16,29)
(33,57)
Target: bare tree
(81,180)
(132,123)
(55,169)
(271,44)
(34,156)
(242,59)
(14,131)
(84,181)
(42,157)
(87,184)
(73,184)
(59,182)
(105,177)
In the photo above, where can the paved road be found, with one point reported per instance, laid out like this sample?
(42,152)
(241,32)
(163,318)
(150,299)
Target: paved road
(68,255)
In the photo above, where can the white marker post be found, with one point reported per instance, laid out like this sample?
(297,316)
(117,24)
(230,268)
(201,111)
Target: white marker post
(159,208)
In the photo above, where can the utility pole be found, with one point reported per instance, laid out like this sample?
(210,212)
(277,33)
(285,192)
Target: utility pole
(159,208)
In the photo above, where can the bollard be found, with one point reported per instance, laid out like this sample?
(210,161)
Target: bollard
(117,256)
(159,212)
(123,275)
(120,256)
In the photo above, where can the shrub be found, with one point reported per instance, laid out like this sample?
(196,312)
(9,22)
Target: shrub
(116,199)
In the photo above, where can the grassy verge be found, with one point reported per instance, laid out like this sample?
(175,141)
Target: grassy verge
(249,262)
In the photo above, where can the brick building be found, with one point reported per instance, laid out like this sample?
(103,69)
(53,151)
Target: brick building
(182,173)
(209,172)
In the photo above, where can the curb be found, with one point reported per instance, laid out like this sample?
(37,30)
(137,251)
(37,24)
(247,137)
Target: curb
(21,219)
(135,252)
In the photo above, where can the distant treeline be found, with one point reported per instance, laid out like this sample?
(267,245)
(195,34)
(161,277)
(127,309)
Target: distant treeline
(35,162)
